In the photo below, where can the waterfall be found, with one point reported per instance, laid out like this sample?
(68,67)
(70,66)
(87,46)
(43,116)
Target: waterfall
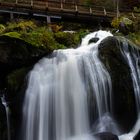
(131,55)
(56,101)
(5,104)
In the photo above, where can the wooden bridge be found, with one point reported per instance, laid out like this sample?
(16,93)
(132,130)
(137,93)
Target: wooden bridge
(58,9)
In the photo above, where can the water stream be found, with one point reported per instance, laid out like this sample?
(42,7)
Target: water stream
(7,109)
(131,55)
(56,105)
(56,101)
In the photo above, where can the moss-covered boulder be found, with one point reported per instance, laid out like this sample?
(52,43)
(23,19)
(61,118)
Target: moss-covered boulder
(123,94)
(15,54)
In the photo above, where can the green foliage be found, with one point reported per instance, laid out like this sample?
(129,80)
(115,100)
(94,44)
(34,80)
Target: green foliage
(135,37)
(70,40)
(2,28)
(82,33)
(13,34)
(42,38)
(66,39)
(22,25)
(16,78)
(118,22)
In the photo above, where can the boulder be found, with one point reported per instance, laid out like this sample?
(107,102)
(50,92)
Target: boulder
(137,137)
(16,54)
(106,136)
(123,101)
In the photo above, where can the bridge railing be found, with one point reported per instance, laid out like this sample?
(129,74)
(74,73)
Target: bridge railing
(59,6)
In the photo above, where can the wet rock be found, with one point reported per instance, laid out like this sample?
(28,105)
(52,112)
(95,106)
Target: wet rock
(137,137)
(16,54)
(17,57)
(122,87)
(106,136)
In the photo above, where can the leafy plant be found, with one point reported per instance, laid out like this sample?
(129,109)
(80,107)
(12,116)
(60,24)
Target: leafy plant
(135,37)
(117,22)
(66,38)
(13,34)
(21,26)
(2,28)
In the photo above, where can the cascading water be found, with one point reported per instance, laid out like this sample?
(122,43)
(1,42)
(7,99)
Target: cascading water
(131,55)
(5,104)
(56,100)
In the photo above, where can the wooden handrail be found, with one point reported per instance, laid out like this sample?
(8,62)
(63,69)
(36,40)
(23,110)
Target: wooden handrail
(59,5)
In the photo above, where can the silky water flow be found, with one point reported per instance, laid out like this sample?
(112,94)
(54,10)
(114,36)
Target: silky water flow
(56,103)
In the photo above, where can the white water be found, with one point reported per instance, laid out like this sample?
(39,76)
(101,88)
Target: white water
(131,56)
(5,104)
(56,105)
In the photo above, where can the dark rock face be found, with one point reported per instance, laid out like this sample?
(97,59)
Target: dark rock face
(123,94)
(16,54)
(106,136)
(137,136)
(17,57)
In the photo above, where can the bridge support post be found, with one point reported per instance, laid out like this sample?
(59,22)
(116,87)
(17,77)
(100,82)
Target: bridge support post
(61,6)
(48,19)
(90,10)
(11,16)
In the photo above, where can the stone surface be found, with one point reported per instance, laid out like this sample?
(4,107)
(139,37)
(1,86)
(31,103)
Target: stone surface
(122,87)
(106,136)
(17,57)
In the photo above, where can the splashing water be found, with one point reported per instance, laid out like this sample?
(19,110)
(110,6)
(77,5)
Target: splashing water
(106,124)
(56,101)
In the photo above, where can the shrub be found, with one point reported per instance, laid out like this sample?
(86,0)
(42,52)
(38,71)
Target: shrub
(135,37)
(67,39)
(41,37)
(117,21)
(124,24)
(21,26)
